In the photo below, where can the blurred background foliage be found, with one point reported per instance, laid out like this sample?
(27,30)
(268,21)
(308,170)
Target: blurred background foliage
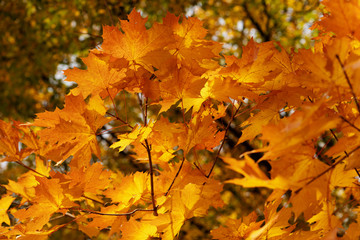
(40,38)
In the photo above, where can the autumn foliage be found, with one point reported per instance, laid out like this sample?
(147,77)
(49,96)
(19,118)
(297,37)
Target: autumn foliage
(299,108)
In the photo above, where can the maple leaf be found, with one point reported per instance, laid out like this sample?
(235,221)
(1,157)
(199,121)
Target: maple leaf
(254,66)
(5,203)
(48,199)
(137,44)
(343,18)
(236,229)
(25,186)
(72,130)
(325,220)
(87,182)
(181,84)
(253,175)
(138,230)
(10,136)
(223,88)
(138,134)
(165,137)
(202,133)
(288,133)
(98,79)
(130,189)
(189,46)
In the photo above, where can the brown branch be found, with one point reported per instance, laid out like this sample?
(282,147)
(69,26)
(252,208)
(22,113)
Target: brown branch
(223,141)
(176,175)
(327,170)
(348,82)
(33,170)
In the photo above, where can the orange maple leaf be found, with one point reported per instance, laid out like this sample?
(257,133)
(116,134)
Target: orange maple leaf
(72,130)
(98,79)
(137,44)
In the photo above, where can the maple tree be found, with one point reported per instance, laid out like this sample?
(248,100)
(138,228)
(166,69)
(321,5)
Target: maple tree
(299,109)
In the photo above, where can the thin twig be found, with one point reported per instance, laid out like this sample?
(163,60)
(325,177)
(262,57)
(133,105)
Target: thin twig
(200,170)
(351,124)
(148,150)
(223,141)
(110,130)
(151,178)
(33,170)
(346,154)
(331,167)
(61,216)
(332,132)
(111,214)
(323,148)
(357,172)
(117,118)
(176,175)
(348,82)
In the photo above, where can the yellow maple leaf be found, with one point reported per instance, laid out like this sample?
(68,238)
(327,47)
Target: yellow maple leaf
(5,203)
